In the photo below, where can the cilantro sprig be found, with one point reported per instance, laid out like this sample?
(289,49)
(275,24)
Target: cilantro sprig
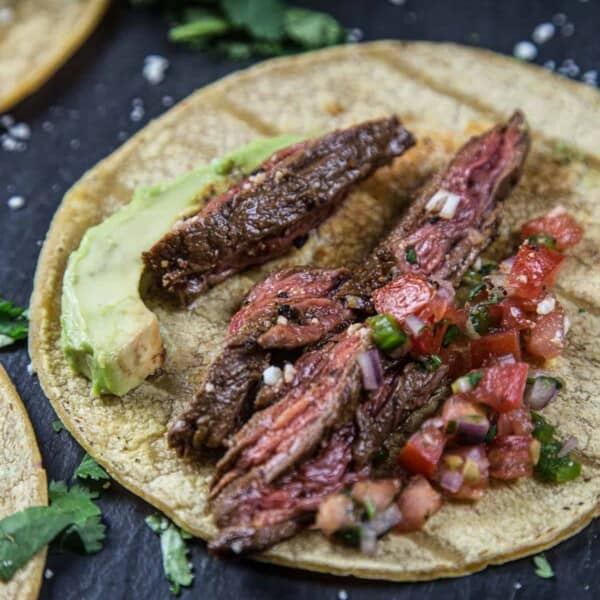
(72,518)
(543,568)
(90,469)
(174,552)
(13,323)
(240,29)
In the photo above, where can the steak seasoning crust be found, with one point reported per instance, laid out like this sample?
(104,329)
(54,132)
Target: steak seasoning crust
(275,207)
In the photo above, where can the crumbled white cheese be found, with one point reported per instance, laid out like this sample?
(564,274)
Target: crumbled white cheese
(546,306)
(272,375)
(20,131)
(281,320)
(342,595)
(154,69)
(525,50)
(543,32)
(289,372)
(16,202)
(209,387)
(48,574)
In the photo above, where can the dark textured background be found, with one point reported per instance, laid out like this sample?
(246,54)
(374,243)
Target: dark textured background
(80,116)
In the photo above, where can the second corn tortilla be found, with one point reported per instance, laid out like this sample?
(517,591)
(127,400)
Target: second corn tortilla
(444,94)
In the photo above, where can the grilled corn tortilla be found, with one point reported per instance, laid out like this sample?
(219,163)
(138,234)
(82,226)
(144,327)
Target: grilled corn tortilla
(22,483)
(444,94)
(36,38)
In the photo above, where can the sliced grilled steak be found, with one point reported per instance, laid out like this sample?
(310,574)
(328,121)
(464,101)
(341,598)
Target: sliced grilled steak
(261,217)
(282,307)
(489,165)
(481,174)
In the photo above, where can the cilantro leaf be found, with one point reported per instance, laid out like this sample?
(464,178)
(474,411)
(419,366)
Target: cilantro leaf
(311,29)
(24,533)
(13,323)
(264,20)
(542,567)
(174,552)
(57,426)
(90,469)
(199,24)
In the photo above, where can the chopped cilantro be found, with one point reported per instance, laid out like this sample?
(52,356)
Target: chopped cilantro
(475,290)
(479,316)
(451,335)
(542,239)
(474,377)
(411,256)
(90,469)
(431,362)
(13,323)
(581,310)
(542,567)
(312,29)
(57,426)
(491,434)
(370,510)
(72,515)
(174,552)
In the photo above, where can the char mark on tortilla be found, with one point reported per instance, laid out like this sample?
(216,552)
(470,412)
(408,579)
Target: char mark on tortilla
(262,216)
(251,494)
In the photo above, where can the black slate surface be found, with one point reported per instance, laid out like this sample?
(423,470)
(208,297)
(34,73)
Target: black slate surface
(83,114)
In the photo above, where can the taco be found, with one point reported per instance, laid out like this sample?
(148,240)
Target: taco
(23,482)
(37,38)
(427,85)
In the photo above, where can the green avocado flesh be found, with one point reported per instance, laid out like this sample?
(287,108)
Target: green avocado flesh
(108,333)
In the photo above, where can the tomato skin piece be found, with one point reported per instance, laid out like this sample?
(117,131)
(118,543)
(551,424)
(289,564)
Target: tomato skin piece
(548,338)
(406,295)
(515,422)
(501,386)
(535,269)
(429,341)
(510,457)
(417,503)
(423,450)
(494,345)
(557,223)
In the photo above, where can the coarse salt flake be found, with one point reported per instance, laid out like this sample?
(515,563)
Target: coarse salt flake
(20,131)
(16,202)
(272,375)
(154,69)
(543,32)
(525,51)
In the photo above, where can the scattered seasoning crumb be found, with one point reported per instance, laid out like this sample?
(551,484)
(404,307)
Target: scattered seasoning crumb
(568,29)
(590,77)
(122,136)
(334,108)
(543,32)
(20,131)
(355,35)
(167,101)
(39,243)
(48,574)
(559,19)
(550,65)
(517,585)
(569,68)
(137,112)
(155,67)
(16,202)
(342,595)
(11,145)
(525,51)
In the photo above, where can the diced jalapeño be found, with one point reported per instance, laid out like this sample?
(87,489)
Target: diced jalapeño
(387,333)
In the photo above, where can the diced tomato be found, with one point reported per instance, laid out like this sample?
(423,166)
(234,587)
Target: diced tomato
(429,341)
(548,338)
(406,295)
(380,492)
(457,316)
(417,503)
(457,358)
(535,269)
(494,345)
(512,456)
(501,387)
(459,405)
(423,450)
(514,314)
(559,224)
(464,472)
(515,422)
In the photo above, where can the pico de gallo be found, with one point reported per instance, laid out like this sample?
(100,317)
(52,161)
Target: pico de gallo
(493,336)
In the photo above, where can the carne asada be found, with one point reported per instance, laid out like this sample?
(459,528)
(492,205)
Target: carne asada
(266,319)
(264,215)
(280,437)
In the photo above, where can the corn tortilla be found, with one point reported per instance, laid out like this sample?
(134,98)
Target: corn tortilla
(38,39)
(444,93)
(22,483)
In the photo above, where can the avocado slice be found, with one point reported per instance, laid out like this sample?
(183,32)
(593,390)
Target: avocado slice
(108,333)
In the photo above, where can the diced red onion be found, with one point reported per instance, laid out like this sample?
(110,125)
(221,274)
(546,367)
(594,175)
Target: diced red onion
(372,371)
(506,359)
(543,390)
(368,539)
(568,446)
(557,211)
(507,264)
(462,385)
(471,431)
(546,306)
(449,209)
(414,324)
(386,519)
(497,279)
(451,481)
(567,325)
